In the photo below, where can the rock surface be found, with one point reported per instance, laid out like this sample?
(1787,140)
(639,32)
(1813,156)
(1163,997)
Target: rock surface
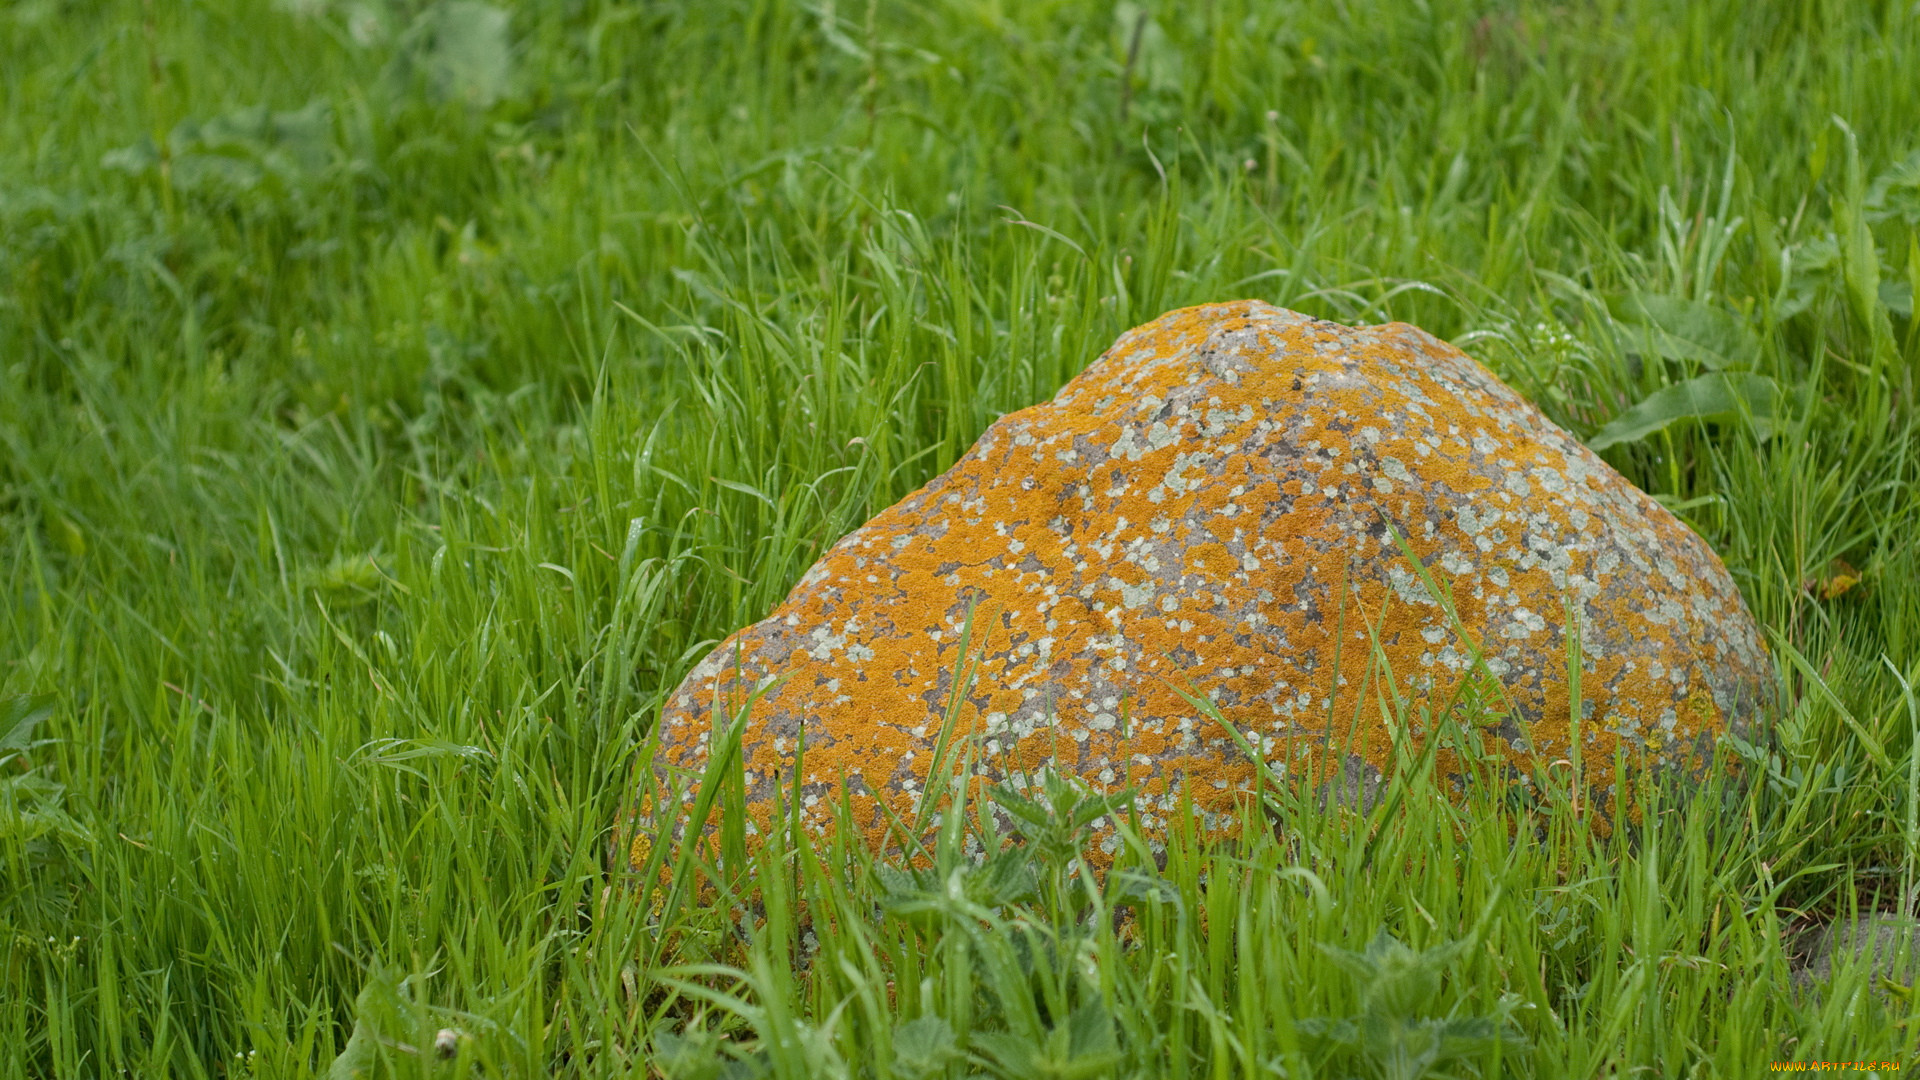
(1213,505)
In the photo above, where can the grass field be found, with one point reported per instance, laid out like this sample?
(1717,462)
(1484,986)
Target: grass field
(397,398)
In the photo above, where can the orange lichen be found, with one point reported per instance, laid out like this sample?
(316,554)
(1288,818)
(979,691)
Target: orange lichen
(1216,506)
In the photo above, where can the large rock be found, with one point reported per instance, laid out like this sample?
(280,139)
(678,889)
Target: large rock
(1213,506)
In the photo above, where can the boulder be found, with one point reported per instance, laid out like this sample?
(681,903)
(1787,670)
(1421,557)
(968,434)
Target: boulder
(1222,506)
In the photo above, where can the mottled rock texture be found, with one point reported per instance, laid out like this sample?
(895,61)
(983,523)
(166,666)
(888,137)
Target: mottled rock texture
(1213,506)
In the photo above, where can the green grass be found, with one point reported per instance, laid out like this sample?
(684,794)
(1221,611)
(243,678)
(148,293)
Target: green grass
(395,401)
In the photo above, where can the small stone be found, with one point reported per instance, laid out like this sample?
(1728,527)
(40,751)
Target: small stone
(1216,506)
(1884,947)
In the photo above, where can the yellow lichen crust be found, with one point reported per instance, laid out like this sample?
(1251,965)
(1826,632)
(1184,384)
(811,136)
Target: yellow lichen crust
(1213,506)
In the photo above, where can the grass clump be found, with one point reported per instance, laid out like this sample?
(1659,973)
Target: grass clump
(397,397)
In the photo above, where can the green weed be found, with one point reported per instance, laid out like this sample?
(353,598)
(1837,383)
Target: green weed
(397,397)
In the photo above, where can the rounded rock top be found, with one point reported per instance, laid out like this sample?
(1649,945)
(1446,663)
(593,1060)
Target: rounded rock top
(1224,505)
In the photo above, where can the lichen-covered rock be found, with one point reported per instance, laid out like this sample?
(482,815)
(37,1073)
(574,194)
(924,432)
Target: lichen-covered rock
(1217,505)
